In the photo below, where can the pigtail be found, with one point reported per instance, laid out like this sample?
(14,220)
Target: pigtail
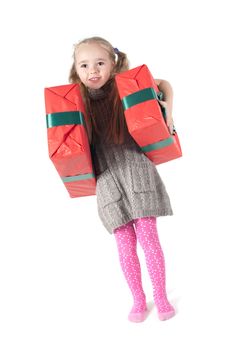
(73,77)
(118,123)
(122,62)
(89,119)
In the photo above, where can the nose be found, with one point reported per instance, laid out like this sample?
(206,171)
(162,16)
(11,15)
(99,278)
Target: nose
(93,69)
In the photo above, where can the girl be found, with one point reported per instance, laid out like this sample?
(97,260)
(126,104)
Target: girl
(130,192)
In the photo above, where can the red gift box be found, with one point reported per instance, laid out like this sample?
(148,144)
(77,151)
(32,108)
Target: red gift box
(144,117)
(68,142)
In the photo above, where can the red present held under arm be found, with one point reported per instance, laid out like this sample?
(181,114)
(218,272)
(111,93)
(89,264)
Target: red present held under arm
(68,143)
(145,121)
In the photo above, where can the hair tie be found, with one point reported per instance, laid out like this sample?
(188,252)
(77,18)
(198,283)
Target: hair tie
(116,50)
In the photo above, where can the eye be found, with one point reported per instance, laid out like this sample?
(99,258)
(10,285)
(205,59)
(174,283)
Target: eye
(101,63)
(83,65)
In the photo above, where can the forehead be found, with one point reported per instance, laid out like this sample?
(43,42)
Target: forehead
(91,51)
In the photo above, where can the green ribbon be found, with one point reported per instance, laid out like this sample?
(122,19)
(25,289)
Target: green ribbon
(77,177)
(65,118)
(157,145)
(140,97)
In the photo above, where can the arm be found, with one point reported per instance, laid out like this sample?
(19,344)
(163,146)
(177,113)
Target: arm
(167,90)
(167,103)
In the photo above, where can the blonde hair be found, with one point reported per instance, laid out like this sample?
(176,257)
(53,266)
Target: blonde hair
(117,124)
(115,55)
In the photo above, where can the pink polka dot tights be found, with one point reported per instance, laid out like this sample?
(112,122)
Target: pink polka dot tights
(146,233)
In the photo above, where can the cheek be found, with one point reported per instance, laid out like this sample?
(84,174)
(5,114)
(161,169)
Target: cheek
(108,72)
(111,68)
(81,75)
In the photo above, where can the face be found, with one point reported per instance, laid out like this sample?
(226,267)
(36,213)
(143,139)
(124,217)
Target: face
(93,65)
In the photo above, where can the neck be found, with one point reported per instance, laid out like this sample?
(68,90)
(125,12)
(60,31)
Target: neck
(102,92)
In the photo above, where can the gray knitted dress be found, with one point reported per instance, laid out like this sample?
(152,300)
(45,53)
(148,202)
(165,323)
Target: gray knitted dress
(128,184)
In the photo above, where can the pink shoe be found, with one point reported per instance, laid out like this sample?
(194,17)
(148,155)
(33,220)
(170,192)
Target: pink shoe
(137,316)
(163,316)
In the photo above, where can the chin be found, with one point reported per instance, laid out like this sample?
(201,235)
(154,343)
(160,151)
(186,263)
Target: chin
(95,86)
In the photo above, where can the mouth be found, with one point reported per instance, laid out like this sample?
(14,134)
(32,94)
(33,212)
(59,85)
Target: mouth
(94,78)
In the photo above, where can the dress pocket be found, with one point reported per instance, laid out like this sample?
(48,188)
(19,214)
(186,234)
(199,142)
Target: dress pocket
(144,177)
(107,190)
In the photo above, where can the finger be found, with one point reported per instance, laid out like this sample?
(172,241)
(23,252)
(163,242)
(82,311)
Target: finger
(169,121)
(171,128)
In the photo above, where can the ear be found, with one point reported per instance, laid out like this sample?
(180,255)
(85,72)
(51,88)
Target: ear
(113,67)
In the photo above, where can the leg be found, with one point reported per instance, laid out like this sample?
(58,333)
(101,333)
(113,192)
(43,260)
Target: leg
(148,238)
(126,243)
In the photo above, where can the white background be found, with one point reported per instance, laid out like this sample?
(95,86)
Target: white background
(61,286)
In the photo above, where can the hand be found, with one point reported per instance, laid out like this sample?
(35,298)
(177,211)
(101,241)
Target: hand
(169,119)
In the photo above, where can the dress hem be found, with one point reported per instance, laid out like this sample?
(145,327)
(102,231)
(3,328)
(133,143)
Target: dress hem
(137,214)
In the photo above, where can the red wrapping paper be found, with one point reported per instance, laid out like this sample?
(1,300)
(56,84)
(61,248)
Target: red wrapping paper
(145,120)
(68,144)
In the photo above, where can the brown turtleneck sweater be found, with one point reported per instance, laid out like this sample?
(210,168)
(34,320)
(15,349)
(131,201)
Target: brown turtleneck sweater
(128,184)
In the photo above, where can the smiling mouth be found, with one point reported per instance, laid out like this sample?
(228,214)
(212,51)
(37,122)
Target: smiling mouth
(94,78)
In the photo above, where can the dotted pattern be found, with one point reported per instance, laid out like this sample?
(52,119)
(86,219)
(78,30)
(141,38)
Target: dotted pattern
(143,230)
(126,243)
